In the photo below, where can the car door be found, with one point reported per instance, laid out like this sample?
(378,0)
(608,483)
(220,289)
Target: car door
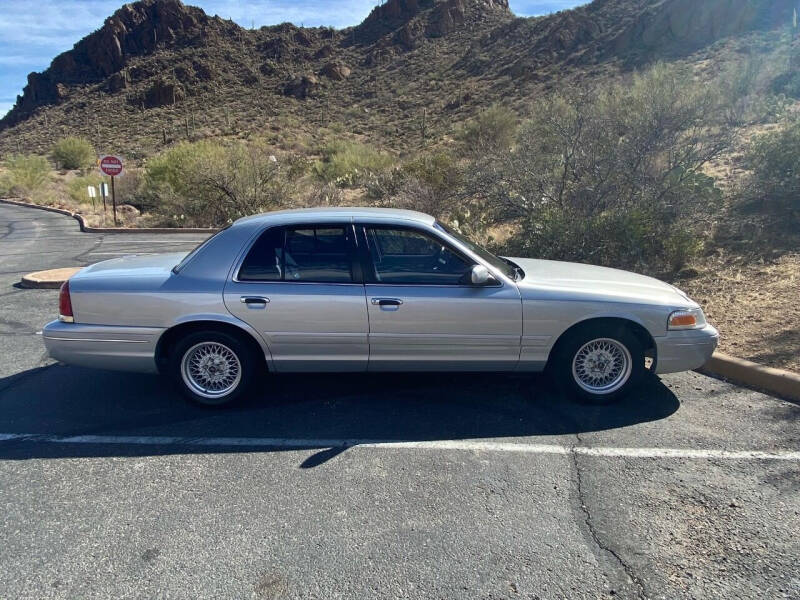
(300,286)
(424,314)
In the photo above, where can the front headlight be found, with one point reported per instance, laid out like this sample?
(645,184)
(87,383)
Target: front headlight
(692,318)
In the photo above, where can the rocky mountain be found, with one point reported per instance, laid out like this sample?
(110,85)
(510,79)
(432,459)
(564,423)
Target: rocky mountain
(158,70)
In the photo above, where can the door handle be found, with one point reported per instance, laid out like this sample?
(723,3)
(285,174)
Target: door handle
(254,301)
(387,301)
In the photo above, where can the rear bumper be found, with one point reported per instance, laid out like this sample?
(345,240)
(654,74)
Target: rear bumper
(685,350)
(103,346)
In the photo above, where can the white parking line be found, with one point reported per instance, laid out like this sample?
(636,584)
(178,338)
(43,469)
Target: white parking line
(122,253)
(463,445)
(127,241)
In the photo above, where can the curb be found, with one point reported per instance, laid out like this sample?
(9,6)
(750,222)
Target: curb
(777,382)
(51,279)
(87,229)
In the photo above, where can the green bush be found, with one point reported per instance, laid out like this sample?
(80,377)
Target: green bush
(74,153)
(208,184)
(611,176)
(77,188)
(26,173)
(774,161)
(491,131)
(350,163)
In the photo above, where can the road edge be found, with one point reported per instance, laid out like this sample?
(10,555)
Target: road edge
(87,229)
(777,382)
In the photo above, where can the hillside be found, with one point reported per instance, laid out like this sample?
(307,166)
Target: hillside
(160,71)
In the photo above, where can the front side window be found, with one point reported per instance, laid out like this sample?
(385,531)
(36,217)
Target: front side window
(305,254)
(406,256)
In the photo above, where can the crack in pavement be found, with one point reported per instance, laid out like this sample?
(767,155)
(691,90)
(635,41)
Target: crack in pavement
(640,591)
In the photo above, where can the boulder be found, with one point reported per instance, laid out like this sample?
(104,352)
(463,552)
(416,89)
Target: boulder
(325,52)
(163,93)
(118,81)
(336,71)
(301,86)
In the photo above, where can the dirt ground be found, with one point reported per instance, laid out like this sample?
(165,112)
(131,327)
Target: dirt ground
(755,306)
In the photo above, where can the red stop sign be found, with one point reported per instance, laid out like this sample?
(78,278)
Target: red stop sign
(111,165)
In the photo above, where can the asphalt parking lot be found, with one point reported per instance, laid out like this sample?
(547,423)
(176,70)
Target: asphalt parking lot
(379,486)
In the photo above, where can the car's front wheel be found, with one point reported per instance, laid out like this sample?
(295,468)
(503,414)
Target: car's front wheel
(212,368)
(599,363)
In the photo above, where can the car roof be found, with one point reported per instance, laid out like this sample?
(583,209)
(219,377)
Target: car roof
(309,214)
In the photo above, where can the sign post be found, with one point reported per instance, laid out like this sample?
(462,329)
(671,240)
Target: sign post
(104,194)
(112,166)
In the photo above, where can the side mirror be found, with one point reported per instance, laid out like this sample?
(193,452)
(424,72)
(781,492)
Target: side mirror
(480,275)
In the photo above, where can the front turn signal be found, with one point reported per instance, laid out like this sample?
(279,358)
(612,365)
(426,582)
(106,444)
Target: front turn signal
(686,319)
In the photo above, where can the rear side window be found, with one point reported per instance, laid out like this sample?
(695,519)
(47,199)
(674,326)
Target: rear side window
(264,262)
(307,254)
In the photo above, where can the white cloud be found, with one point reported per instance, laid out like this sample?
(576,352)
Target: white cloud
(310,13)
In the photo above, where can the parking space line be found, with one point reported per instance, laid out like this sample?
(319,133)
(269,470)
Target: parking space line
(460,445)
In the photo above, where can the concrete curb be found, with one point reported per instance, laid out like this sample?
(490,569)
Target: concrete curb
(87,229)
(48,280)
(777,382)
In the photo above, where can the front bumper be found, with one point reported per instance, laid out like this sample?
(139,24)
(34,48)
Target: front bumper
(685,350)
(103,346)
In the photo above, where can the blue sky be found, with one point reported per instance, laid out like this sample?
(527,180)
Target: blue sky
(33,32)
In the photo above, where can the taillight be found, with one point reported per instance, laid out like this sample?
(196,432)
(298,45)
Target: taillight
(65,305)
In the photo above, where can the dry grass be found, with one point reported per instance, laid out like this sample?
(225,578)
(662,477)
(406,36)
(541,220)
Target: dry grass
(755,306)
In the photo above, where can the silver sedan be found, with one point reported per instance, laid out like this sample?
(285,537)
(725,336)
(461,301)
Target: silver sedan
(370,290)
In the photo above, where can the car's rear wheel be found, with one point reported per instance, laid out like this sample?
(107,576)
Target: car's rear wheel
(599,363)
(212,368)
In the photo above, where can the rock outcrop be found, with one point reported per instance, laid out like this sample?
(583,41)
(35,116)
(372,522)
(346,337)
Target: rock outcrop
(407,21)
(336,71)
(134,30)
(301,86)
(682,26)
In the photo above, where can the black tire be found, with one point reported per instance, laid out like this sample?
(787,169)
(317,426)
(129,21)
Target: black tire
(229,368)
(592,377)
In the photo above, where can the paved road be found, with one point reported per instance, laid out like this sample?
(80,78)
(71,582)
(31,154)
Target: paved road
(112,486)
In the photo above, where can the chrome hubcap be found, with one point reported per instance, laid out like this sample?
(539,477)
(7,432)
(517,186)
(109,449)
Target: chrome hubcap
(602,366)
(211,369)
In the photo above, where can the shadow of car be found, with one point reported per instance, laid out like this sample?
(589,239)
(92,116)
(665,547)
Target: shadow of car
(70,401)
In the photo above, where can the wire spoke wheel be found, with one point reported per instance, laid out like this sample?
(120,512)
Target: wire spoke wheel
(211,369)
(602,366)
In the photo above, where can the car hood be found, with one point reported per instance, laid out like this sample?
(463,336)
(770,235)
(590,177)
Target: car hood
(576,281)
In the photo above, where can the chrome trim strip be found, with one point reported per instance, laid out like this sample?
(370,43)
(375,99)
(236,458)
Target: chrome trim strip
(65,339)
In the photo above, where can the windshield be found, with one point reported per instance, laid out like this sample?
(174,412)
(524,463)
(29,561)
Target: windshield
(508,268)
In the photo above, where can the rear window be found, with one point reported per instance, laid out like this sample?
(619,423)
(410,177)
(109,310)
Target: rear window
(193,253)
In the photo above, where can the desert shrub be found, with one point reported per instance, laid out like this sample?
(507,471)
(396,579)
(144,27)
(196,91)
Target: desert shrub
(208,184)
(324,194)
(25,173)
(611,176)
(774,161)
(437,170)
(77,188)
(350,163)
(74,153)
(492,130)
